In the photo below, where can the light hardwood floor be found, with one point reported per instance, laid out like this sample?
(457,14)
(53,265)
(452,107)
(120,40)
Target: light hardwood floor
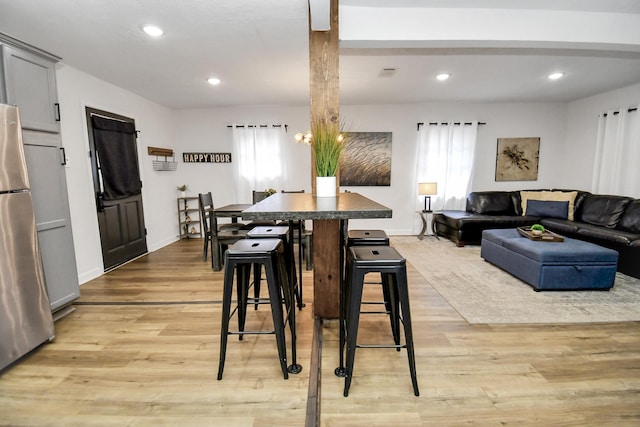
(141,349)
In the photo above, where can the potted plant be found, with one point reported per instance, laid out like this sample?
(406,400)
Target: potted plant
(537,229)
(327,141)
(182,189)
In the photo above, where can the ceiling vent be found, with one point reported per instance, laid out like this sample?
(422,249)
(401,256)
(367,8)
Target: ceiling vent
(388,72)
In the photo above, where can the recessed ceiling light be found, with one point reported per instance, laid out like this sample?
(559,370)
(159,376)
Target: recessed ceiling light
(555,76)
(442,77)
(213,81)
(153,31)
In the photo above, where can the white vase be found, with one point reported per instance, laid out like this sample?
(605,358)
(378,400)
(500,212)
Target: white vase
(183,194)
(325,186)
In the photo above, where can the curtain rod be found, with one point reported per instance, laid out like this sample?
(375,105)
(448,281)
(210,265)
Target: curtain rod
(615,113)
(446,123)
(286,127)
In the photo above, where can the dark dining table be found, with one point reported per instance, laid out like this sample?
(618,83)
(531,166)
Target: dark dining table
(233,211)
(328,215)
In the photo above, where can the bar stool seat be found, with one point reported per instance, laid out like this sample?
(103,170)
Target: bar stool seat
(238,260)
(367,238)
(362,260)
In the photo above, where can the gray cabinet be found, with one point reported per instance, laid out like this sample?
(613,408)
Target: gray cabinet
(45,160)
(30,83)
(27,79)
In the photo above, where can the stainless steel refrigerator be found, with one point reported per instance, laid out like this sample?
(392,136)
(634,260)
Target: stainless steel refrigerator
(25,314)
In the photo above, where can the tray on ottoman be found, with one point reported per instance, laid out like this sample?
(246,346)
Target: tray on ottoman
(569,265)
(545,236)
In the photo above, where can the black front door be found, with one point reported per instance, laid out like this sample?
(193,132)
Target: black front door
(118,189)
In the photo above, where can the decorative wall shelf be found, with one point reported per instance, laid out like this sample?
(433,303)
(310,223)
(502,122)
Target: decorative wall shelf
(162,165)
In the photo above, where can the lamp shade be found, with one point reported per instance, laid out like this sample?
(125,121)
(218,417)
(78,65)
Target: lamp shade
(428,188)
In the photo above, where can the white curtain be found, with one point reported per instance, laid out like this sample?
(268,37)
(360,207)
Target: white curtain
(260,160)
(446,156)
(616,169)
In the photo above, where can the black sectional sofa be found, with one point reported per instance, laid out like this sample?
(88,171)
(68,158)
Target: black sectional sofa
(609,221)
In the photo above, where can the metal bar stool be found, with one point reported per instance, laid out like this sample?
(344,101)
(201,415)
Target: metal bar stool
(392,266)
(238,259)
(304,238)
(375,238)
(367,238)
(281,232)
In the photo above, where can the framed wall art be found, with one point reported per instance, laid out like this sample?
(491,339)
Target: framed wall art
(517,159)
(366,159)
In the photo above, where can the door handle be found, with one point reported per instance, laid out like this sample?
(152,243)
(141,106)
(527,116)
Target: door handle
(57,111)
(100,201)
(64,156)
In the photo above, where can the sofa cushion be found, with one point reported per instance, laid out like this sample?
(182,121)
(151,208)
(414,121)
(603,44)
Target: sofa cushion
(567,196)
(562,226)
(600,234)
(490,203)
(603,210)
(630,220)
(548,208)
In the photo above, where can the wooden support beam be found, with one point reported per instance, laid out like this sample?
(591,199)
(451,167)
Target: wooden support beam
(326,268)
(325,105)
(323,76)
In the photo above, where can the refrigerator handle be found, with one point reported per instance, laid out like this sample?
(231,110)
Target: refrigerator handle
(64,156)
(100,201)
(57,107)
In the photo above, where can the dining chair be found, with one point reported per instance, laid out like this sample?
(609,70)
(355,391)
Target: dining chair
(259,196)
(217,236)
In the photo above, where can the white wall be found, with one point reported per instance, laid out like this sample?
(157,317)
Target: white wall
(567,133)
(206,130)
(544,120)
(582,127)
(77,90)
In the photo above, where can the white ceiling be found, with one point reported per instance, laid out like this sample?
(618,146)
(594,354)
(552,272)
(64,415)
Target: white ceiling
(259,49)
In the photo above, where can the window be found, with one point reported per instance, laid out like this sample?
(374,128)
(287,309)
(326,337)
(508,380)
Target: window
(260,160)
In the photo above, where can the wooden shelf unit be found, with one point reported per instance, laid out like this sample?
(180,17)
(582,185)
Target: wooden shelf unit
(189,226)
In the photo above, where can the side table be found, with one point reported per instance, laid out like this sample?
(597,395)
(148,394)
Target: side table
(424,216)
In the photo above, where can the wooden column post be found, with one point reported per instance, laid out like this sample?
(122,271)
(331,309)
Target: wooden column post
(323,76)
(325,104)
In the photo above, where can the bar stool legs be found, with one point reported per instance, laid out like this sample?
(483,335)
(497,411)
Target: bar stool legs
(392,266)
(284,233)
(378,238)
(293,267)
(239,258)
(389,293)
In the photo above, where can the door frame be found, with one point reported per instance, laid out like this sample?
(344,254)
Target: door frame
(96,179)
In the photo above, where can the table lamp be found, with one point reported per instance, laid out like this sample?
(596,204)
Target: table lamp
(427,189)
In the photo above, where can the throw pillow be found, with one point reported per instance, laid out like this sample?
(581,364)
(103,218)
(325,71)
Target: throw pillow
(557,196)
(547,209)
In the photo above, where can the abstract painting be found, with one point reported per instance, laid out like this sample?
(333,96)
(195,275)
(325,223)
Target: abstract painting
(366,159)
(517,159)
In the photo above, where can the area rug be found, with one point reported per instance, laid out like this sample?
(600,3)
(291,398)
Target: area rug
(483,293)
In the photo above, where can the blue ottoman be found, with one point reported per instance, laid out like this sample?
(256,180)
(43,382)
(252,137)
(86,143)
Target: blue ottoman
(569,265)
